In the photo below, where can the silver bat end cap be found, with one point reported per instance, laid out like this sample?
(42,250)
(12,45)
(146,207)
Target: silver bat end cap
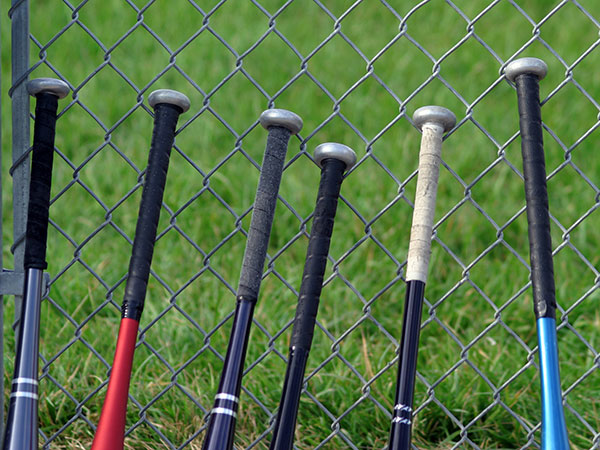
(520,66)
(281,118)
(434,114)
(169,96)
(335,151)
(48,86)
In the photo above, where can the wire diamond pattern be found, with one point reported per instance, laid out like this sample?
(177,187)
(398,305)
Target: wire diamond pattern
(306,67)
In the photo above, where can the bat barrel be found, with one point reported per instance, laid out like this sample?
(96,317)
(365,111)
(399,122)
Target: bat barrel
(281,125)
(22,423)
(221,429)
(285,421)
(401,428)
(334,160)
(168,106)
(554,429)
(433,121)
(526,74)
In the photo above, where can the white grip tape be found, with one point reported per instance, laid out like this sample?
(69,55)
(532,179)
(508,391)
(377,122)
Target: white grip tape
(419,249)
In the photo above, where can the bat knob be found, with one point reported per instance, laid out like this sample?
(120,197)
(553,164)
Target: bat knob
(170,97)
(534,66)
(335,151)
(281,118)
(437,115)
(48,86)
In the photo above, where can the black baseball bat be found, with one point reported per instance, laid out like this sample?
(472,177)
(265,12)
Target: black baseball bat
(526,74)
(334,160)
(21,432)
(168,105)
(281,125)
(433,121)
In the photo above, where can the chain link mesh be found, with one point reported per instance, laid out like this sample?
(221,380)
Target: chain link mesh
(353,81)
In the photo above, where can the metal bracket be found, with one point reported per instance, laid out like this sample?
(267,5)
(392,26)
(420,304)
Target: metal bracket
(11,282)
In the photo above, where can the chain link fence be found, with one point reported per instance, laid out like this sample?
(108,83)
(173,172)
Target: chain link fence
(355,72)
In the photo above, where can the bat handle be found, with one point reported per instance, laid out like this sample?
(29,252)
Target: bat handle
(22,422)
(168,106)
(334,160)
(433,121)
(281,125)
(526,73)
(47,91)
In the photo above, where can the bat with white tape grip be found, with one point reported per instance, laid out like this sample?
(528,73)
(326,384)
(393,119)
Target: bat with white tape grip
(21,432)
(526,74)
(334,159)
(281,125)
(433,121)
(168,105)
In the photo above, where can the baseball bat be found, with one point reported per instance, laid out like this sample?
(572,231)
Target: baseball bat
(21,432)
(281,125)
(526,74)
(433,121)
(168,105)
(334,159)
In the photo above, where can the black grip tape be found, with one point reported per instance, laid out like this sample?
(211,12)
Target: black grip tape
(263,212)
(316,255)
(44,131)
(163,135)
(536,196)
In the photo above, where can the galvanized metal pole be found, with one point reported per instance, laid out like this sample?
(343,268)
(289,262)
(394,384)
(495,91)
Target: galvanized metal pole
(1,269)
(19,14)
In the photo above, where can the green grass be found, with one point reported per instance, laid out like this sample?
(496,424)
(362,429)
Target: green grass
(476,322)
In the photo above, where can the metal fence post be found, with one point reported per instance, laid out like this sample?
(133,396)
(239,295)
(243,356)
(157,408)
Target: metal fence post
(19,14)
(1,269)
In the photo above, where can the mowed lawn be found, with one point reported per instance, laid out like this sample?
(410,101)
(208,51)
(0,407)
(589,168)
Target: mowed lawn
(355,72)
